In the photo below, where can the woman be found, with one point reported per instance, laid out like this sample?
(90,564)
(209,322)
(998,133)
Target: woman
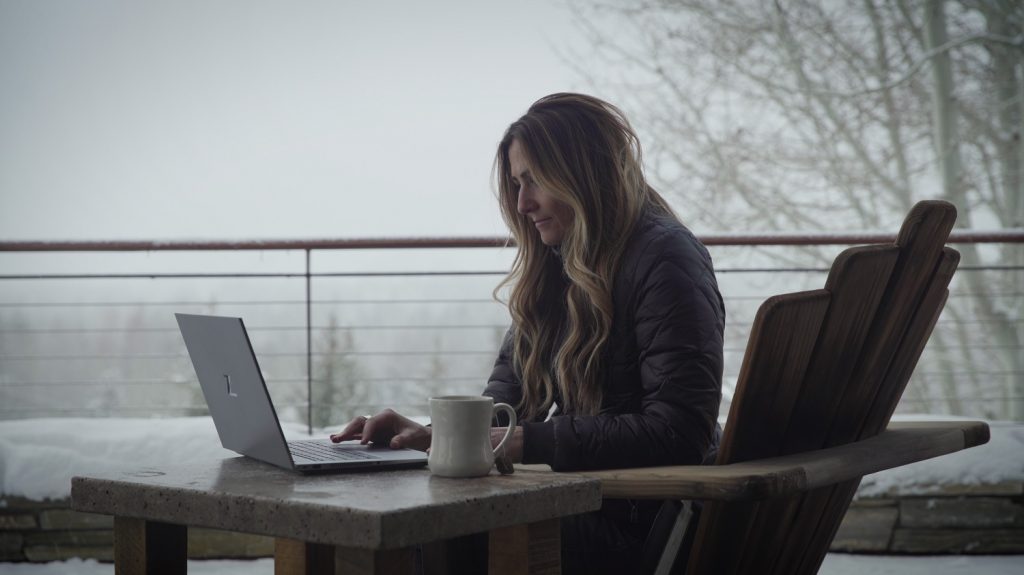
(614,357)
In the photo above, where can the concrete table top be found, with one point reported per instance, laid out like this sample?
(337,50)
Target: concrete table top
(373,510)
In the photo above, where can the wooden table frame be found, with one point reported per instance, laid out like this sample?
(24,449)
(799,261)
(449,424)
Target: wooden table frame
(335,524)
(151,547)
(145,543)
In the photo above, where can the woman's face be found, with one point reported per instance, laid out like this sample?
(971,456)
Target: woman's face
(550,217)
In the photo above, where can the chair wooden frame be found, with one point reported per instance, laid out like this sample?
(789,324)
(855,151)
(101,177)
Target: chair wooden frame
(823,373)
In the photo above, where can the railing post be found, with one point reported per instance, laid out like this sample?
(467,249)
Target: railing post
(309,345)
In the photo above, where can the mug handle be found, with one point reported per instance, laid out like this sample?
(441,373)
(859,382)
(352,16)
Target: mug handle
(511,423)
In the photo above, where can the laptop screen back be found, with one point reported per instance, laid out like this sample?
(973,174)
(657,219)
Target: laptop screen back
(234,388)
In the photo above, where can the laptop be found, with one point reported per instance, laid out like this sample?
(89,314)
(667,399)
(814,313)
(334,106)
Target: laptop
(244,414)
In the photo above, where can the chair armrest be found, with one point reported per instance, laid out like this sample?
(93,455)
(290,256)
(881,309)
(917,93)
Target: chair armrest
(899,444)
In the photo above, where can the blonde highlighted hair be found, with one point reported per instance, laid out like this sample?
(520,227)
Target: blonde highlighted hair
(584,153)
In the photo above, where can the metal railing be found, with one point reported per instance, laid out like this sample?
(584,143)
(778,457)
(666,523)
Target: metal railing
(350,326)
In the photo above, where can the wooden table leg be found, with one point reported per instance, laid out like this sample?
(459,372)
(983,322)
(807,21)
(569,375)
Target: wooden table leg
(466,554)
(149,548)
(526,549)
(293,557)
(353,561)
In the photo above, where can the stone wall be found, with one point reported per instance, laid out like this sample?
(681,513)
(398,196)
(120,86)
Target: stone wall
(958,520)
(50,531)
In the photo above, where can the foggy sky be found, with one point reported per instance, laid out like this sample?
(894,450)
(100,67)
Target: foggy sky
(240,119)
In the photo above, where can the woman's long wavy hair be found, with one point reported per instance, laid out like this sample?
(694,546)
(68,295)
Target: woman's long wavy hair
(583,152)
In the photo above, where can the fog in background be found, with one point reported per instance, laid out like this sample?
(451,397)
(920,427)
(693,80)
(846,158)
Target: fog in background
(257,120)
(337,119)
(241,119)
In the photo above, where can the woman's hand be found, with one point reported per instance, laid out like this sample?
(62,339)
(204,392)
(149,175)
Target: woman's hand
(513,449)
(386,428)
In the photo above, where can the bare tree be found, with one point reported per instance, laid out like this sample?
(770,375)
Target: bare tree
(814,115)
(337,393)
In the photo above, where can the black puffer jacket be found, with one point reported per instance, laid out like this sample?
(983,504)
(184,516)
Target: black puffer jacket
(664,374)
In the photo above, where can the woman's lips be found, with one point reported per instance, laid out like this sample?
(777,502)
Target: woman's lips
(541,222)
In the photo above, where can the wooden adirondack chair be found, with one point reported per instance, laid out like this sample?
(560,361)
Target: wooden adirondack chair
(823,373)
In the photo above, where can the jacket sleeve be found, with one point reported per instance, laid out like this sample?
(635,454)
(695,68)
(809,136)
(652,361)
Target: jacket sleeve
(503,385)
(678,323)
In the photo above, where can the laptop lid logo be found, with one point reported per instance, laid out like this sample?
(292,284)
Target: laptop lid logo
(227,380)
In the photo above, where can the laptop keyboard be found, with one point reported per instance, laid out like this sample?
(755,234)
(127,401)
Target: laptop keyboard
(316,451)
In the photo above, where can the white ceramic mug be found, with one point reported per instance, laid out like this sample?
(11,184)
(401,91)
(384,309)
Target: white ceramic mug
(460,444)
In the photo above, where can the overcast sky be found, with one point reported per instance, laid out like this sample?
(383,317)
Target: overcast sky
(122,119)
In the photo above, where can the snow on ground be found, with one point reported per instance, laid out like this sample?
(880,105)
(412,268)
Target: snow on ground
(38,457)
(999,460)
(835,564)
(91,567)
(840,564)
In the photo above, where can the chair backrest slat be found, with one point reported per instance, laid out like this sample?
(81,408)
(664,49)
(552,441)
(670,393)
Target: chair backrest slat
(785,326)
(857,287)
(906,359)
(921,243)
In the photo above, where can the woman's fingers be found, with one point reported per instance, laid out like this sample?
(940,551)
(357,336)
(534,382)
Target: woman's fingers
(403,439)
(354,430)
(386,428)
(412,436)
(371,425)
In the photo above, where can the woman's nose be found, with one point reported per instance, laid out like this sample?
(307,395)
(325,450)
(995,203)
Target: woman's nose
(525,202)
